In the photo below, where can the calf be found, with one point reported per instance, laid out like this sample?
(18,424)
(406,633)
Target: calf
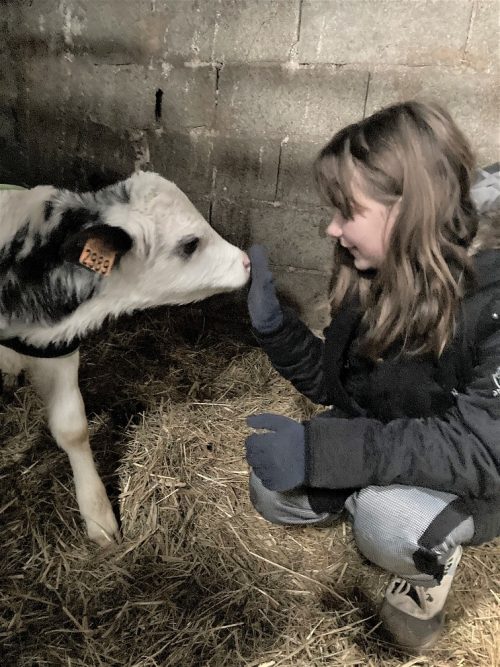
(67,262)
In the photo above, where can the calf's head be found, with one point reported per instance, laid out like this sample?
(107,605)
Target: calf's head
(174,256)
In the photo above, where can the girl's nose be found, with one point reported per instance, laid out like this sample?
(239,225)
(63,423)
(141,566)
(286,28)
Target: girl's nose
(334,229)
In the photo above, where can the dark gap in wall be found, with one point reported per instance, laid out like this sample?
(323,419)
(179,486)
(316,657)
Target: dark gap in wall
(158,102)
(278,173)
(218,67)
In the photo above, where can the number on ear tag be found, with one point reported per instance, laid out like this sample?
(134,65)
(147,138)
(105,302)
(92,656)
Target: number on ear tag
(97,257)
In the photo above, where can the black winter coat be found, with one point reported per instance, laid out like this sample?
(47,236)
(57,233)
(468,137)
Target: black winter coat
(405,420)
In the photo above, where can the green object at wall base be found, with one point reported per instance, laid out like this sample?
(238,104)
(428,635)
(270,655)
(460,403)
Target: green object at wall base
(5,186)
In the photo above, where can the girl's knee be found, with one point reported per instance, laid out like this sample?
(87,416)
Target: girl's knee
(286,509)
(267,503)
(408,531)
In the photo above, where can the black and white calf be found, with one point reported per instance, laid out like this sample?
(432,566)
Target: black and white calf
(67,262)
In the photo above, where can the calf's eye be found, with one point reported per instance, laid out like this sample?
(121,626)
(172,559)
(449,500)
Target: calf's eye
(188,245)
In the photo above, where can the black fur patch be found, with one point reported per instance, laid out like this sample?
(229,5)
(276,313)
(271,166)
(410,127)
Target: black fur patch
(9,253)
(47,284)
(33,292)
(47,254)
(47,210)
(48,301)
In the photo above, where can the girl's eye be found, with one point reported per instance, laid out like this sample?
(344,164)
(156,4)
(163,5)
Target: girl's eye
(353,210)
(342,218)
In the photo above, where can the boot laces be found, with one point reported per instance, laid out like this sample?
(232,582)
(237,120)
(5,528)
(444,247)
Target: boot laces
(419,601)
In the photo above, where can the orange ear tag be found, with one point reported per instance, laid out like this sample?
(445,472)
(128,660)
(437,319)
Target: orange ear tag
(98,257)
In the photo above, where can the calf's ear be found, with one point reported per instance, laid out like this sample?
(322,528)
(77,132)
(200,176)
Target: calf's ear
(97,248)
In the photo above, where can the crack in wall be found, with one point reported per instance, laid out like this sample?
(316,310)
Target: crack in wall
(293,47)
(218,68)
(278,172)
(366,94)
(473,13)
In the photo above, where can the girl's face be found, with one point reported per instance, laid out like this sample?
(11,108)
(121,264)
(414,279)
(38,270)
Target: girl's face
(366,234)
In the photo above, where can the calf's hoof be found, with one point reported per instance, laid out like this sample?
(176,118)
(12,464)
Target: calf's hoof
(105,531)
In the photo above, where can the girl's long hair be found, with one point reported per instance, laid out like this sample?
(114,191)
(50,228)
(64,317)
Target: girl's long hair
(414,155)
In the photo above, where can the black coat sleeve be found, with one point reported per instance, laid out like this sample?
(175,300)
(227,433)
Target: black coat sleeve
(458,452)
(297,354)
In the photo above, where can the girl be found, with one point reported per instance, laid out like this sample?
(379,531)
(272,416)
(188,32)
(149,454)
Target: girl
(410,364)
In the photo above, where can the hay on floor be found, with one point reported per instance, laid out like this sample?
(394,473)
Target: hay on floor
(198,579)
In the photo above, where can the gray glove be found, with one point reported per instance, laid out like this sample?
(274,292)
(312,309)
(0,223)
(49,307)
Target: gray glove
(278,458)
(263,305)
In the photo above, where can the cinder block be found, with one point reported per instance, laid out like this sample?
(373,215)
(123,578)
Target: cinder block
(471,97)
(7,125)
(117,31)
(100,156)
(202,203)
(278,101)
(190,29)
(8,82)
(77,154)
(121,32)
(122,97)
(410,32)
(255,30)
(231,220)
(293,236)
(13,163)
(296,181)
(307,292)
(119,97)
(483,47)
(185,159)
(173,30)
(246,167)
(304,290)
(38,26)
(5,31)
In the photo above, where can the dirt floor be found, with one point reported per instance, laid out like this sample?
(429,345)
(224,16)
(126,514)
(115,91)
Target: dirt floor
(199,579)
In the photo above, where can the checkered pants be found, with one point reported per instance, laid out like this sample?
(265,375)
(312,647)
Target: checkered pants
(408,531)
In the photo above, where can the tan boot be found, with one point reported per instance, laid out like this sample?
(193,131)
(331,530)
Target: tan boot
(413,616)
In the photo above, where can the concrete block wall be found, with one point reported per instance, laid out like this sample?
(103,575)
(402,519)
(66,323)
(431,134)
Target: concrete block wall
(232,99)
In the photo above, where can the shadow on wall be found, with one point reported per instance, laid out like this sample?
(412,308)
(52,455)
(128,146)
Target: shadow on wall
(52,125)
(56,29)
(64,131)
(60,146)
(75,153)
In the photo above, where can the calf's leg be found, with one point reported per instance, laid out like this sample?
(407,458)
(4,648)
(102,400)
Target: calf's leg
(56,380)
(11,367)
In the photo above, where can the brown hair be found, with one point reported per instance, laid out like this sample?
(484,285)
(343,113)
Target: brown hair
(414,154)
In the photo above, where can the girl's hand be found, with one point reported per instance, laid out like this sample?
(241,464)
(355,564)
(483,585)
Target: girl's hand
(278,458)
(263,305)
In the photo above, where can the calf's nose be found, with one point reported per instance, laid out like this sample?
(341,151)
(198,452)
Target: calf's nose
(246,261)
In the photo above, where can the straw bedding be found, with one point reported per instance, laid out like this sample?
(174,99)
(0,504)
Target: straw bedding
(198,579)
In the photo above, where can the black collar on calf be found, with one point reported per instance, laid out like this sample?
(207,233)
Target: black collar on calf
(50,351)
